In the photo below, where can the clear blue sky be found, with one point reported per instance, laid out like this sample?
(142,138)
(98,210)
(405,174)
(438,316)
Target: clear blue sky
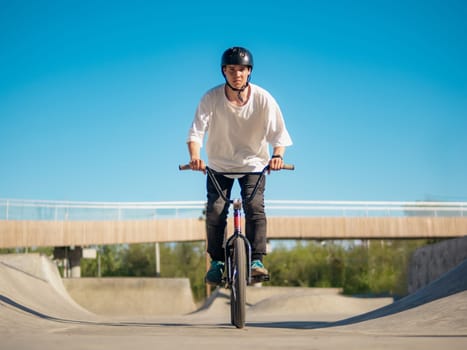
(96,97)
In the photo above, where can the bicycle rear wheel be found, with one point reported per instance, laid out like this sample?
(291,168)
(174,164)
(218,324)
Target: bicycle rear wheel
(238,288)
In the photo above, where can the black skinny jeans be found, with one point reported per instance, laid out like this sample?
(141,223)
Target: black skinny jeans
(217,210)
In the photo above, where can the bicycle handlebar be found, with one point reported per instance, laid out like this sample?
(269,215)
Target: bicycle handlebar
(284,167)
(211,173)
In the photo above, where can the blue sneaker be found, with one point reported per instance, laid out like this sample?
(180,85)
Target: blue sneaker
(258,269)
(215,273)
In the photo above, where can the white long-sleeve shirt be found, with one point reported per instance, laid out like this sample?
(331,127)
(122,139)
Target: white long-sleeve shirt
(238,137)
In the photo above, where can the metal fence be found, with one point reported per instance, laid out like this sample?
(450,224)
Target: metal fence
(18,209)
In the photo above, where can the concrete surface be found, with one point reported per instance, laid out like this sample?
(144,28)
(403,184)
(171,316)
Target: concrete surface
(37,313)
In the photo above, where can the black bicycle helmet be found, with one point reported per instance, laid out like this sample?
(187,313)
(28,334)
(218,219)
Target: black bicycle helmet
(237,55)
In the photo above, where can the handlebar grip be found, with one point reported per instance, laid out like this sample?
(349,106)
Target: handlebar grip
(288,167)
(184,167)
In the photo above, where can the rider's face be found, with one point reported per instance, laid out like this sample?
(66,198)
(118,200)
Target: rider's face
(237,75)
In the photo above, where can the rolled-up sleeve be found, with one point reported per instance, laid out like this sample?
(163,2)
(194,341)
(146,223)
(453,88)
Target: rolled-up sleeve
(277,134)
(200,123)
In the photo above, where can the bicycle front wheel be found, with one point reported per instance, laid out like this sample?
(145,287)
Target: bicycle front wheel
(238,288)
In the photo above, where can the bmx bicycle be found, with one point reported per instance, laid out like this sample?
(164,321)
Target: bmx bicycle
(237,273)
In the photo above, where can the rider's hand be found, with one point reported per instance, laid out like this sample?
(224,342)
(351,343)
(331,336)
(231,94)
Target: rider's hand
(198,165)
(276,163)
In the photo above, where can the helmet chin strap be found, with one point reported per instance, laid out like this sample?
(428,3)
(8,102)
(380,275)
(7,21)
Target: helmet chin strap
(239,91)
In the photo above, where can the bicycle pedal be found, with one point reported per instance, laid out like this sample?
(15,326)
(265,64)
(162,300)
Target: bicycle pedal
(259,279)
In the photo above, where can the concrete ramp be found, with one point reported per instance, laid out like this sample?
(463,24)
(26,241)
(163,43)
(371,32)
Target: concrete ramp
(133,296)
(32,295)
(439,307)
(32,281)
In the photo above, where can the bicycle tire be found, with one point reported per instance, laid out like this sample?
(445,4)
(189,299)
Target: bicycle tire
(238,288)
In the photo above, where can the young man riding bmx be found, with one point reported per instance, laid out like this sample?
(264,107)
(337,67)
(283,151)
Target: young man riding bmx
(240,121)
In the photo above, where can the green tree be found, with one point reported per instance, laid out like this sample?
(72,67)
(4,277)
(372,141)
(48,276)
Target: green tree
(111,259)
(307,264)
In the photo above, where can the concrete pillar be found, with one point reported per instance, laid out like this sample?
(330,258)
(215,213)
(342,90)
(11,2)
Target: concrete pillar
(72,258)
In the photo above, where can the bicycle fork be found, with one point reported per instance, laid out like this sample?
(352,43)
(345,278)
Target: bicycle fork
(231,269)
